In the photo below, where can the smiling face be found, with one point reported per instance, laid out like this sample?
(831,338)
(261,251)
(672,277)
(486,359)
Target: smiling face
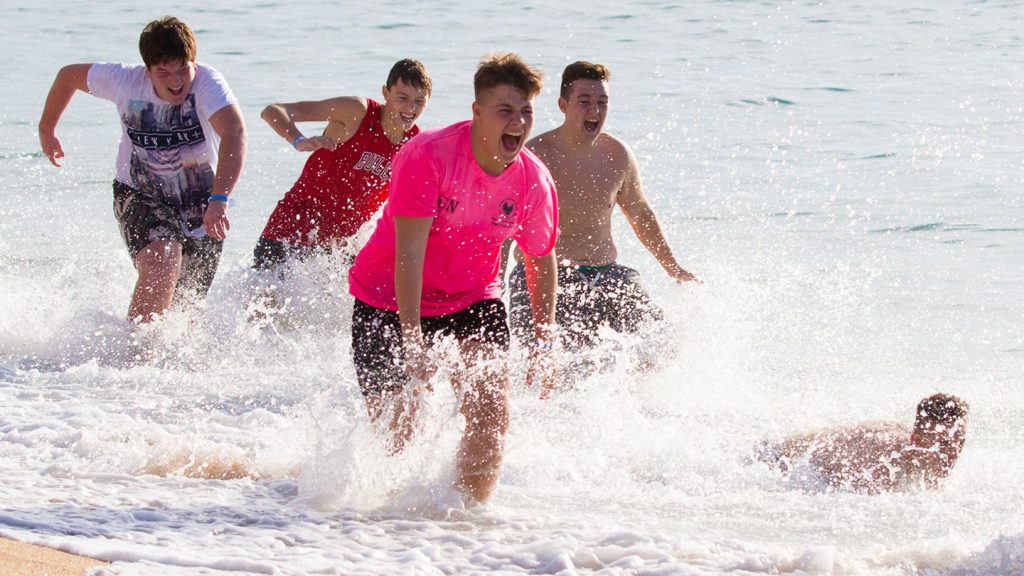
(403,103)
(172,81)
(502,120)
(586,108)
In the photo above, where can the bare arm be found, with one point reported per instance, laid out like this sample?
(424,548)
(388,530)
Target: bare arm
(69,79)
(506,250)
(230,126)
(410,251)
(343,115)
(645,223)
(542,283)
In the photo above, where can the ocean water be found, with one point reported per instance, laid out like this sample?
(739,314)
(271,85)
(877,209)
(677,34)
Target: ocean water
(846,178)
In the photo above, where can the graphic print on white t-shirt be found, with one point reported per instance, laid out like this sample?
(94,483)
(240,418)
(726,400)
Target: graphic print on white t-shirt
(169,156)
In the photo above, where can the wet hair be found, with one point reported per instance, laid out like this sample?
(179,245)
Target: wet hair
(412,72)
(167,40)
(582,70)
(944,409)
(499,69)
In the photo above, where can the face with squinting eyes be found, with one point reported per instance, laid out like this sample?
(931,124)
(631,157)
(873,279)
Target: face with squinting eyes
(502,120)
(405,102)
(172,81)
(586,108)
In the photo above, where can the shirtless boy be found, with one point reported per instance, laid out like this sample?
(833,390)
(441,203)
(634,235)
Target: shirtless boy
(880,456)
(345,180)
(594,172)
(183,145)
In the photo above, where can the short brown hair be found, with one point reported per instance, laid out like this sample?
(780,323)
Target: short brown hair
(498,69)
(167,40)
(412,72)
(582,70)
(944,409)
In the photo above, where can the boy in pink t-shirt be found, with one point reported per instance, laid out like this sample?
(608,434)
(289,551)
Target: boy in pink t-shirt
(430,269)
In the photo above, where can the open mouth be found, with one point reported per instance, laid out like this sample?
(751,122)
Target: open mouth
(510,142)
(591,126)
(407,119)
(176,91)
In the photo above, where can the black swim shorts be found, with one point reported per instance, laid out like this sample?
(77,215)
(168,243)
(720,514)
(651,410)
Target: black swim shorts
(377,340)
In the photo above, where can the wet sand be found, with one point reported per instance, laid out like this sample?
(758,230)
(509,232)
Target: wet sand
(20,559)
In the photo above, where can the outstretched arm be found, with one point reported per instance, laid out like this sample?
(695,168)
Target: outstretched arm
(343,114)
(230,126)
(70,79)
(645,224)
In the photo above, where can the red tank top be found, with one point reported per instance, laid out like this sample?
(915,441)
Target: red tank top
(338,190)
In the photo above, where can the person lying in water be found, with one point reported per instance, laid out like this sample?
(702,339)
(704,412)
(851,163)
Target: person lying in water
(879,456)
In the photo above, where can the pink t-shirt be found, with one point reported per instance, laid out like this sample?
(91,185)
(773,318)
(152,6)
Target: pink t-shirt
(436,176)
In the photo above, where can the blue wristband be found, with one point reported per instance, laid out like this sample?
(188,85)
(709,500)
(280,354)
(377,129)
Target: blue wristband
(298,139)
(540,345)
(219,198)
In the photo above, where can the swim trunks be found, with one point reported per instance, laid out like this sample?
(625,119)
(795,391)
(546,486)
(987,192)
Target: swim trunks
(144,219)
(588,297)
(377,341)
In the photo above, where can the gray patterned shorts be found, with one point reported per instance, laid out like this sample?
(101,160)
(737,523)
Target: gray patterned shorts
(143,220)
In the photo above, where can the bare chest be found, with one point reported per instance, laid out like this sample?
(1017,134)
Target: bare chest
(588,185)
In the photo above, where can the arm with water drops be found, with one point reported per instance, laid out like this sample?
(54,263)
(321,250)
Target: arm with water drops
(641,218)
(542,284)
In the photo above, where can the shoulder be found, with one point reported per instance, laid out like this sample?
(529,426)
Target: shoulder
(356,108)
(614,148)
(532,161)
(444,136)
(116,70)
(115,80)
(212,89)
(543,144)
(117,67)
(211,83)
(342,108)
(438,146)
(207,73)
(535,168)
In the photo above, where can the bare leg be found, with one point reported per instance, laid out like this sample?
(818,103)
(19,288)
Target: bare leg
(485,407)
(159,266)
(399,411)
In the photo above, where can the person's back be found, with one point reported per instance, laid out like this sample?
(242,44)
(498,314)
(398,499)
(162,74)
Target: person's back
(862,457)
(874,457)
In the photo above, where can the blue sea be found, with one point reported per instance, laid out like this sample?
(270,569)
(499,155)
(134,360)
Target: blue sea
(847,179)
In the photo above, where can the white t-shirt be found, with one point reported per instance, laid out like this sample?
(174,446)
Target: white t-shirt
(168,151)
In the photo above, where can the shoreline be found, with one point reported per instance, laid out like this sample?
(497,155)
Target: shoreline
(23,559)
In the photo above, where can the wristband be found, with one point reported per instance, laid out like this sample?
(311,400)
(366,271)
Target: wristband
(219,198)
(539,345)
(297,141)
